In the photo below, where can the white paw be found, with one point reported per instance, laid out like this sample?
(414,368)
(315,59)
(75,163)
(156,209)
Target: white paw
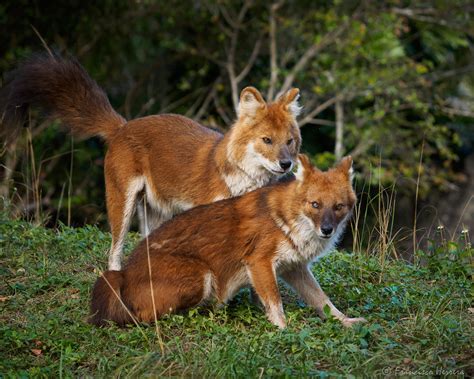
(276,315)
(280,323)
(348,322)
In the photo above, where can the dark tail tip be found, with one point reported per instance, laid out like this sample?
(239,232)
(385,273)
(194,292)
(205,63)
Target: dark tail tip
(62,89)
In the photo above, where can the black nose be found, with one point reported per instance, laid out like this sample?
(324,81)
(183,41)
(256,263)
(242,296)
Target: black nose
(326,230)
(285,164)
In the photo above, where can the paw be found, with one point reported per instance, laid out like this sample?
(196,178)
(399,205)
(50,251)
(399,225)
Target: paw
(277,320)
(275,314)
(348,322)
(280,323)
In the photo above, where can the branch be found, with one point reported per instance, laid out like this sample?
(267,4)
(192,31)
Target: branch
(273,51)
(328,103)
(432,15)
(233,85)
(146,107)
(309,54)
(320,121)
(227,17)
(180,101)
(230,66)
(437,76)
(131,93)
(10,163)
(207,101)
(327,40)
(362,147)
(251,61)
(220,110)
(200,98)
(37,130)
(200,50)
(339,130)
(457,112)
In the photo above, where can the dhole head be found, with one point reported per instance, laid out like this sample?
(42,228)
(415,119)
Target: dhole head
(328,197)
(266,136)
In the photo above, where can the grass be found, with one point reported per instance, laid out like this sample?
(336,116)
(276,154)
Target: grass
(420,318)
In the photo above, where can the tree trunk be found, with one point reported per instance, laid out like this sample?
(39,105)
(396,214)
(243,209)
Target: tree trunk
(338,150)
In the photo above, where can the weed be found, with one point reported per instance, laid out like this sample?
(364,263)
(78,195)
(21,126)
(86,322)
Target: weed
(418,315)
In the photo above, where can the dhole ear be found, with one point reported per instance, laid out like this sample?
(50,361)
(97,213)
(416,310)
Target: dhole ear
(290,101)
(346,167)
(251,102)
(304,167)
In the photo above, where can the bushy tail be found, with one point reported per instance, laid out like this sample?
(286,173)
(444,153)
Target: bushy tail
(106,303)
(64,90)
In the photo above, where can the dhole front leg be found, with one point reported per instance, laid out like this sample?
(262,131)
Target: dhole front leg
(302,280)
(264,281)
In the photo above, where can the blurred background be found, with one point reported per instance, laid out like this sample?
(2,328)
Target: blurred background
(389,82)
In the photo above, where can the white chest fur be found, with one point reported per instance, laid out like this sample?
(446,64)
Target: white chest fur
(250,172)
(303,244)
(241,183)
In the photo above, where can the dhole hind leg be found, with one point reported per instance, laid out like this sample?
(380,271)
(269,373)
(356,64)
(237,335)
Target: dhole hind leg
(301,279)
(179,283)
(120,207)
(148,218)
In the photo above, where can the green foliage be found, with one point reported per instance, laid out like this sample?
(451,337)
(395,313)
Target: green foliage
(402,71)
(417,319)
(449,257)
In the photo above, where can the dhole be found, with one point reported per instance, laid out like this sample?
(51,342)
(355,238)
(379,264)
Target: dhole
(211,251)
(174,162)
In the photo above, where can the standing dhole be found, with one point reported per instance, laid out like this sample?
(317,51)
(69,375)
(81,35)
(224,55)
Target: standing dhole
(211,251)
(174,162)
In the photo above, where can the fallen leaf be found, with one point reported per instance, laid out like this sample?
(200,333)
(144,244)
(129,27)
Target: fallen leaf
(37,352)
(4,298)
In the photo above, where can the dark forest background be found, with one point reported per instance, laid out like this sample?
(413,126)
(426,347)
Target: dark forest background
(389,82)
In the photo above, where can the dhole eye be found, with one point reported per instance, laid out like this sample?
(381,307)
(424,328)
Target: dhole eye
(339,207)
(267,140)
(315,204)
(289,141)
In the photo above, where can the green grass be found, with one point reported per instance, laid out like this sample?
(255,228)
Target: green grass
(418,319)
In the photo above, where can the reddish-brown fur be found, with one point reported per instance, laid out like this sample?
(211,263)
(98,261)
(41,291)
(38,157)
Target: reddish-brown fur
(211,251)
(168,162)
